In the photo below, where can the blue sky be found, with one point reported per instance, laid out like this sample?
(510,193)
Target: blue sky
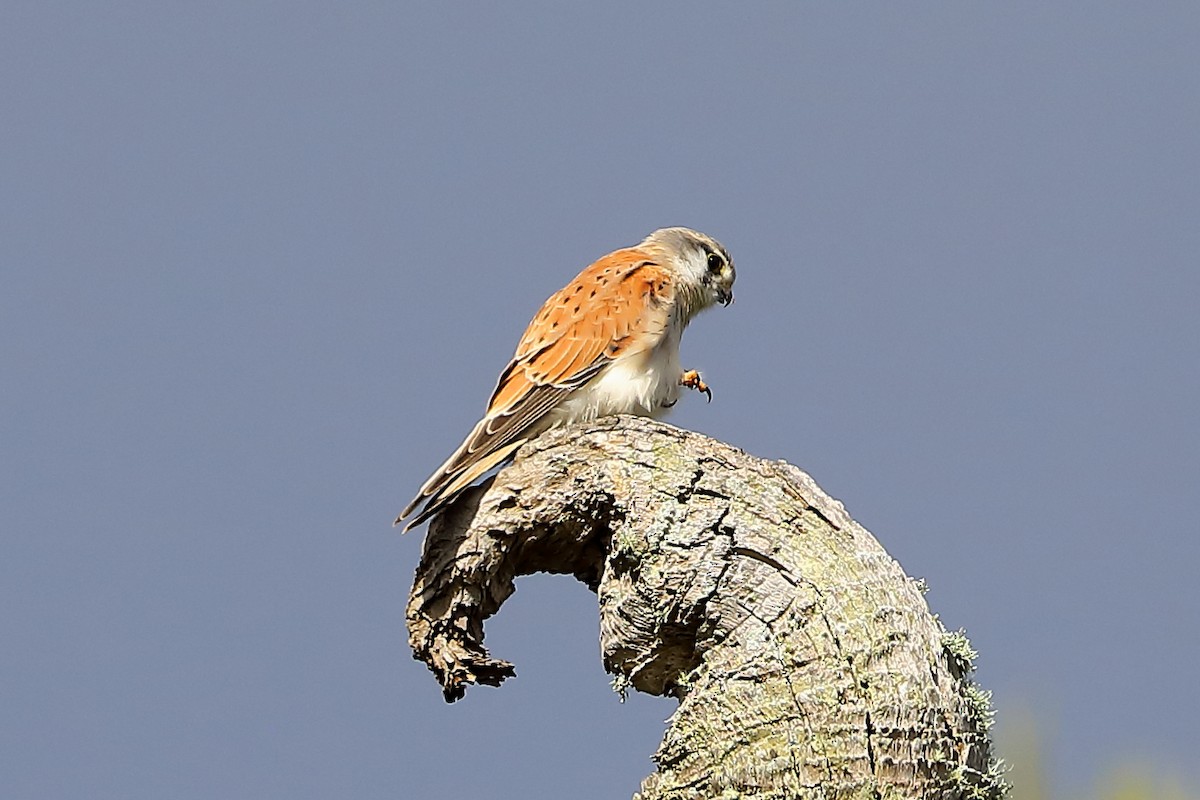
(262,263)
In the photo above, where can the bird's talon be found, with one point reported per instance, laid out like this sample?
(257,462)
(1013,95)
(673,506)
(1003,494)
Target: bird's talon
(692,380)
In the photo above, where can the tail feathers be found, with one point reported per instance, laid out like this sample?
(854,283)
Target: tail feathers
(453,466)
(445,486)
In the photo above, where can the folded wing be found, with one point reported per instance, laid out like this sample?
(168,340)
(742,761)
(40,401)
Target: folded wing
(615,308)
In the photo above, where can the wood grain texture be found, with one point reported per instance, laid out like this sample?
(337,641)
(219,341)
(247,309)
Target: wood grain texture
(805,662)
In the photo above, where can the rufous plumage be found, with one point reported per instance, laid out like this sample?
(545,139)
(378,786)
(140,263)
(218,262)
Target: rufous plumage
(606,343)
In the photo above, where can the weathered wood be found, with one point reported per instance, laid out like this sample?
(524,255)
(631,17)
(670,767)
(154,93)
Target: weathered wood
(806,663)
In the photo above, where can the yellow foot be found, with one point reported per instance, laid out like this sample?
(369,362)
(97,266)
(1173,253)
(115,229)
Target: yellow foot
(692,380)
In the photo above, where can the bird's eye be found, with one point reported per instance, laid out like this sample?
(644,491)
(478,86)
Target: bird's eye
(715,262)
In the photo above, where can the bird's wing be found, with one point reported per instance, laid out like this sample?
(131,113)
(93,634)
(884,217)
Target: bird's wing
(617,307)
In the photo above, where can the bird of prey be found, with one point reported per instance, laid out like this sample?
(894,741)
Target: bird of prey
(606,343)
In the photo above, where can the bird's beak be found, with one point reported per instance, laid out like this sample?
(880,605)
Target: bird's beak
(724,296)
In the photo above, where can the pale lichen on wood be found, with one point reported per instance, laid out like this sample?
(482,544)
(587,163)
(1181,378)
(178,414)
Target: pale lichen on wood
(805,662)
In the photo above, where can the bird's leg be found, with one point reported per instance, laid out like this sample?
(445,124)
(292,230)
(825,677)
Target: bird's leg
(692,380)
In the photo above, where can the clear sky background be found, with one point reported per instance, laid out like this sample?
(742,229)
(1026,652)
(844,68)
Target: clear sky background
(262,262)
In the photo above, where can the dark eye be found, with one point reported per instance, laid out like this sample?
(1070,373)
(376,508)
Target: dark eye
(715,262)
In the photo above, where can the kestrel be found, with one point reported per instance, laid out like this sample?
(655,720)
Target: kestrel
(606,343)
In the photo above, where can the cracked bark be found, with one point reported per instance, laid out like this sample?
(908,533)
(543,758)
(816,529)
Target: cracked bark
(805,662)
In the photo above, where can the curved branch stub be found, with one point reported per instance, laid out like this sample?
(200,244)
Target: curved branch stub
(806,663)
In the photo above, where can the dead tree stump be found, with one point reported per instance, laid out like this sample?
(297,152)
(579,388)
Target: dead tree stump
(805,662)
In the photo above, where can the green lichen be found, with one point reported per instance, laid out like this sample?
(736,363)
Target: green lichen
(958,649)
(975,785)
(979,704)
(628,543)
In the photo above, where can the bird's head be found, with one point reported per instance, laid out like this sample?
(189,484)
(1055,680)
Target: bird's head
(702,267)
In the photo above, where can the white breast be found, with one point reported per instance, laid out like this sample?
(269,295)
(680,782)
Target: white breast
(646,385)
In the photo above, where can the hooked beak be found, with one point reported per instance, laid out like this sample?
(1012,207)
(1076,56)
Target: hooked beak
(724,296)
